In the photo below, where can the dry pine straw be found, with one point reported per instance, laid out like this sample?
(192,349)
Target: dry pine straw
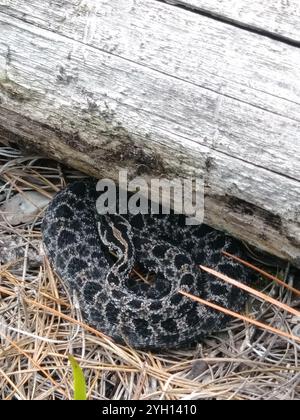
(39,328)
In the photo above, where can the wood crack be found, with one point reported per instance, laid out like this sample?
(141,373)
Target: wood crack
(233,22)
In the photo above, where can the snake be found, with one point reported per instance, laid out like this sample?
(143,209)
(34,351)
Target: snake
(96,256)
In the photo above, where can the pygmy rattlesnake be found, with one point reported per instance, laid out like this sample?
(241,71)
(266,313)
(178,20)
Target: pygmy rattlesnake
(78,240)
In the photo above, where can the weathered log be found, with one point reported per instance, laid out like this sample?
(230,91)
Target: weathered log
(162,91)
(278,18)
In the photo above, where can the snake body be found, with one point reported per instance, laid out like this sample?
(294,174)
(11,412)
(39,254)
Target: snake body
(79,244)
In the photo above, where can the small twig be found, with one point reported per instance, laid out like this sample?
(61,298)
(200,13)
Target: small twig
(263,273)
(241,317)
(59,314)
(28,184)
(14,345)
(251,291)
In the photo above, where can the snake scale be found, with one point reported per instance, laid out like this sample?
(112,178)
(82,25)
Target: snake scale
(79,244)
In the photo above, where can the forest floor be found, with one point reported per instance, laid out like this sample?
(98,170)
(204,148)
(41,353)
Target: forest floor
(40,326)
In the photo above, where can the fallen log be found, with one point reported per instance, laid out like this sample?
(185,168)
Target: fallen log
(163,92)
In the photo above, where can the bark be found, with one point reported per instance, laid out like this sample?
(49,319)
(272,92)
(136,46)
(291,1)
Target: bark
(162,91)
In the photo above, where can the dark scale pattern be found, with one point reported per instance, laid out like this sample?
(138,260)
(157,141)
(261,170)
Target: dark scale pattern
(78,240)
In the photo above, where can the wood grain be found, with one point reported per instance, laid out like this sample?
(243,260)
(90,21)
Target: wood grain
(278,17)
(104,85)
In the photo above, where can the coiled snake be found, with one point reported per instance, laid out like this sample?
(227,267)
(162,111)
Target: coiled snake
(150,316)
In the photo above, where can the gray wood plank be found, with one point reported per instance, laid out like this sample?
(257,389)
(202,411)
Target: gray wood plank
(279,17)
(80,90)
(252,82)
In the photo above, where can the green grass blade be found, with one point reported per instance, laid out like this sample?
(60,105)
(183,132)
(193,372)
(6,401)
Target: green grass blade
(79,381)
